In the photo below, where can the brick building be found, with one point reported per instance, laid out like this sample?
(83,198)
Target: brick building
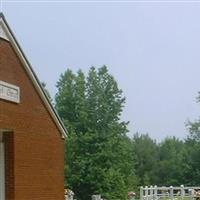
(31,133)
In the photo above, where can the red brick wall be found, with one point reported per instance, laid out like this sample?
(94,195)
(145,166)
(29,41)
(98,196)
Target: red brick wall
(38,150)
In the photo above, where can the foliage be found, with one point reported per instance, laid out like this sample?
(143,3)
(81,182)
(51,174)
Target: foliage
(159,163)
(192,171)
(146,152)
(99,157)
(170,165)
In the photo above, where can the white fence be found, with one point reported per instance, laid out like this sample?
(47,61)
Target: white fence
(156,193)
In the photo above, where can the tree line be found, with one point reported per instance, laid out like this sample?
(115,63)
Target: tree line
(100,157)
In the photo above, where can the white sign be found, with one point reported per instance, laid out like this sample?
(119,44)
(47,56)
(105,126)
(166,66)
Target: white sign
(9,92)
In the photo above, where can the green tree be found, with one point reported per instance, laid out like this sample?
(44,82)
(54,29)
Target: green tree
(160,163)
(146,152)
(192,171)
(170,167)
(99,156)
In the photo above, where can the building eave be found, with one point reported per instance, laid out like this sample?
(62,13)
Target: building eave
(8,35)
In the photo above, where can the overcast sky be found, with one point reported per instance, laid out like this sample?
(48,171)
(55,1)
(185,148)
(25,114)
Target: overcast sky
(151,48)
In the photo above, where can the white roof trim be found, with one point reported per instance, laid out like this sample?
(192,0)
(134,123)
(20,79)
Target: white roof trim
(9,36)
(2,30)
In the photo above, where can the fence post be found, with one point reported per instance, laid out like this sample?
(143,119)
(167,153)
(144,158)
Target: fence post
(155,192)
(141,193)
(171,191)
(146,192)
(191,193)
(151,192)
(182,191)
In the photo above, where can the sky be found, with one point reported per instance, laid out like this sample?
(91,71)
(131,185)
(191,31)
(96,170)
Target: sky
(152,48)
